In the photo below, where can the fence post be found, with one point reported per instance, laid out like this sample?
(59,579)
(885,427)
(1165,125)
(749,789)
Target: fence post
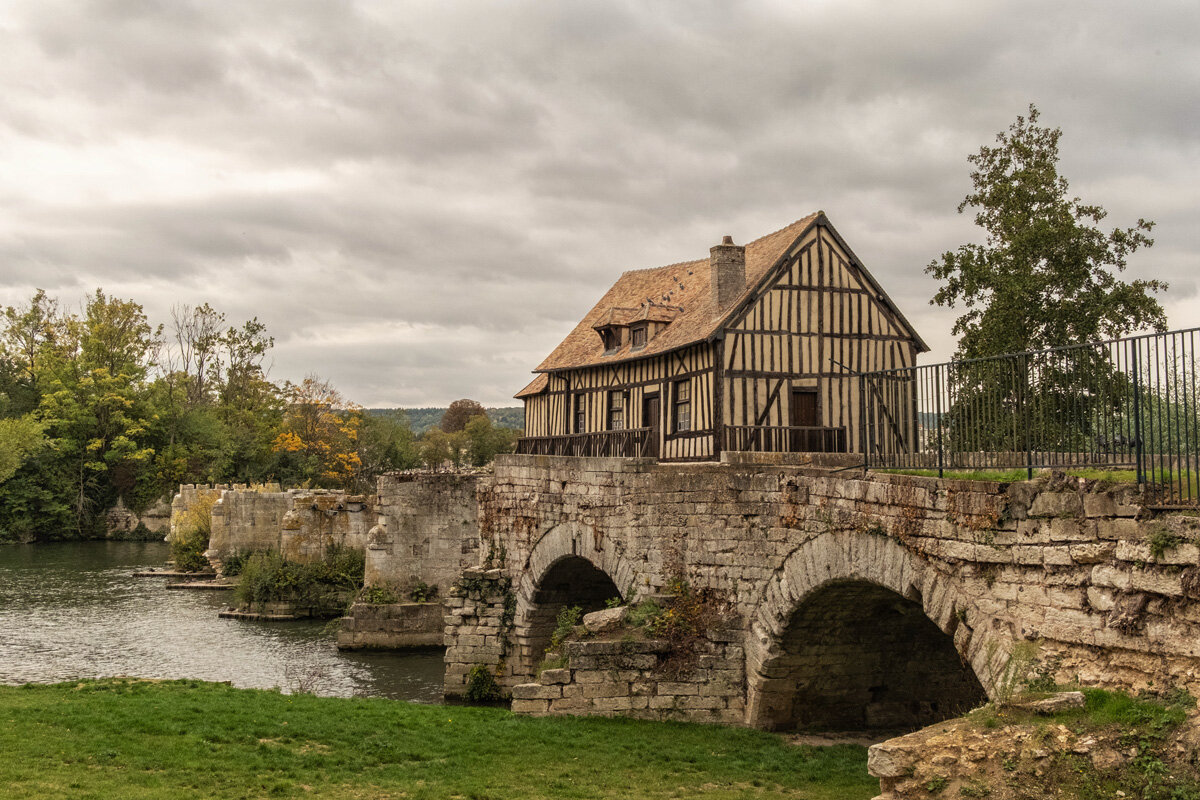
(1023,390)
(1137,413)
(862,420)
(937,393)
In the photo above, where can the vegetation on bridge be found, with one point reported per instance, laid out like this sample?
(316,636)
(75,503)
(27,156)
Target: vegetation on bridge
(143,739)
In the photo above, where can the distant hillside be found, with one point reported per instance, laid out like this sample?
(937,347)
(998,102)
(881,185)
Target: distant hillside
(422,419)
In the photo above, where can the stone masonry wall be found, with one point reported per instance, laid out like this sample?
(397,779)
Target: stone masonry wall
(120,521)
(427,531)
(245,520)
(300,524)
(627,678)
(1108,585)
(477,623)
(320,520)
(391,626)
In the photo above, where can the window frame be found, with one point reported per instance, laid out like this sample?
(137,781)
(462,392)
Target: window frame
(579,418)
(681,409)
(612,339)
(634,331)
(618,405)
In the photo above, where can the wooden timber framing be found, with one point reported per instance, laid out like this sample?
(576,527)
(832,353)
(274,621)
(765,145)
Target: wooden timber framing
(810,319)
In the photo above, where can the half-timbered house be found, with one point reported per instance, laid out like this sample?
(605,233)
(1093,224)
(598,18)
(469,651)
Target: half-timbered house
(757,347)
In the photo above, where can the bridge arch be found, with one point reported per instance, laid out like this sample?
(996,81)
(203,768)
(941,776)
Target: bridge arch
(570,565)
(855,631)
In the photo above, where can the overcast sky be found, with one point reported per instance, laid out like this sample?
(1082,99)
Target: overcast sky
(421,199)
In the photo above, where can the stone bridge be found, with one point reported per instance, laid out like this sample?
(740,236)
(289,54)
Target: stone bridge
(849,600)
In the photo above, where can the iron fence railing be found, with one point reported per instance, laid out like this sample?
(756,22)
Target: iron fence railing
(1129,404)
(627,443)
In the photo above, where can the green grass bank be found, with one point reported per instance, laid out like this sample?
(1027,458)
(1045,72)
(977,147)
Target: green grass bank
(175,739)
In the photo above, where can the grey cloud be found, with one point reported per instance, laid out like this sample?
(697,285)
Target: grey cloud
(482,172)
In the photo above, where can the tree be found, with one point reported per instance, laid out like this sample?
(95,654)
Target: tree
(385,443)
(193,354)
(320,431)
(435,449)
(484,440)
(459,414)
(20,439)
(28,332)
(117,337)
(1045,275)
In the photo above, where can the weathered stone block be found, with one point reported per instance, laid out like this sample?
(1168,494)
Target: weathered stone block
(535,691)
(611,689)
(532,707)
(554,676)
(1057,504)
(1110,576)
(886,760)
(1091,552)
(1184,553)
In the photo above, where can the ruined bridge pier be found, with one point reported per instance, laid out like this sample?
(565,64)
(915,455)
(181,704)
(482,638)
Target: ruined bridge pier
(857,601)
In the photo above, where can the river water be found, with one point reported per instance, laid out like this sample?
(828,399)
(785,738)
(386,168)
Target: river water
(74,610)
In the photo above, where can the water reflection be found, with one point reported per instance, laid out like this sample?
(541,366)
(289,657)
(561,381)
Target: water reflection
(73,610)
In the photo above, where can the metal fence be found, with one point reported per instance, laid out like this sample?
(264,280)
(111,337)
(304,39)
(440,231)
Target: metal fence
(1129,404)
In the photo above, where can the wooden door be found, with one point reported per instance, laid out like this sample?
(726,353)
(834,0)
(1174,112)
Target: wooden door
(652,419)
(804,415)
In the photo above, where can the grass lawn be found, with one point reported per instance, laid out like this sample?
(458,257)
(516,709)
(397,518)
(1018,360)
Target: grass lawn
(176,739)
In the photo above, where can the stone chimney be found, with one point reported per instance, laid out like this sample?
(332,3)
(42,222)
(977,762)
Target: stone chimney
(728,264)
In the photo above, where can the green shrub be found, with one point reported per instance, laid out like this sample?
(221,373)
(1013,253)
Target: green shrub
(378,595)
(481,685)
(423,593)
(232,564)
(564,625)
(644,613)
(328,584)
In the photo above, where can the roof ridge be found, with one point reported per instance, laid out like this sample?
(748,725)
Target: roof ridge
(666,266)
(791,224)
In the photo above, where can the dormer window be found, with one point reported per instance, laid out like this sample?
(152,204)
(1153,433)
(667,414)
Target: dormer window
(638,340)
(612,339)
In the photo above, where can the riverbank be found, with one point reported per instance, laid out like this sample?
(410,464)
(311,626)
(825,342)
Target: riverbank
(145,739)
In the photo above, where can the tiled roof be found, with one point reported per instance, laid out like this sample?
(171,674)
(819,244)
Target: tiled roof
(536,386)
(643,294)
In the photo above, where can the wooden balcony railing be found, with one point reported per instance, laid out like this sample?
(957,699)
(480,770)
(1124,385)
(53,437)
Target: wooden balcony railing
(784,439)
(629,443)
(635,442)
